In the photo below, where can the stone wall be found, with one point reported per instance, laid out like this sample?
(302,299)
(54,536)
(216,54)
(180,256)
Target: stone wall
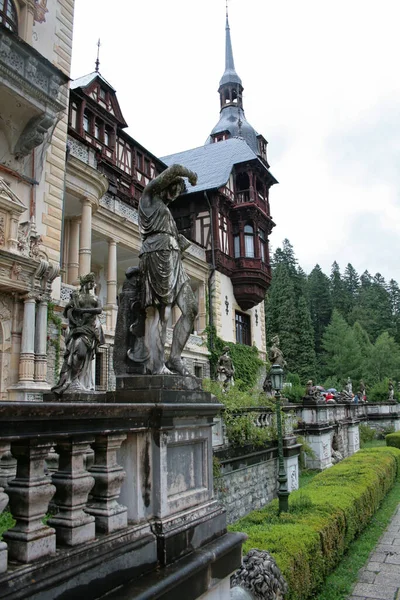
(248,476)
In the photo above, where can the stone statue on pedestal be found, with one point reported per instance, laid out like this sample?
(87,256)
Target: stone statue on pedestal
(225,370)
(165,282)
(150,291)
(391,390)
(84,335)
(275,354)
(349,386)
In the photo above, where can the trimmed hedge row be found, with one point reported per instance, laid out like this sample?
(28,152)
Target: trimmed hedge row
(325,516)
(393,439)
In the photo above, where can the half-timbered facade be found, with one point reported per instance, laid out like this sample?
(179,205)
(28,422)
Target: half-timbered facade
(106,173)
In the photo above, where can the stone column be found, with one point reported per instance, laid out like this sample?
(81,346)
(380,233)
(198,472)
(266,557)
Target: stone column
(73,526)
(201,318)
(30,493)
(112,285)
(73,252)
(109,476)
(3,545)
(41,341)
(85,238)
(27,356)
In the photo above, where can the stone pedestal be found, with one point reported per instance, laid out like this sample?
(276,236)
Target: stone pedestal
(169,467)
(353,438)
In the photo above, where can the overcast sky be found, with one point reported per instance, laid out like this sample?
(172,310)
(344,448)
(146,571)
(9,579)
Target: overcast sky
(321,83)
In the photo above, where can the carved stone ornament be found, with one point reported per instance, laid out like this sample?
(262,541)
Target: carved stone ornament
(29,240)
(40,11)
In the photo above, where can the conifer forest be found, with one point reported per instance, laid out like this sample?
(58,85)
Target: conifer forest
(334,326)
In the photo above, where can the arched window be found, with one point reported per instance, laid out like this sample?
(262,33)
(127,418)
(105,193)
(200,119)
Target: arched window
(8,15)
(249,241)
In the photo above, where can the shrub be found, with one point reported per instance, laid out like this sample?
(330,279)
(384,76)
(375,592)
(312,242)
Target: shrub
(367,434)
(294,393)
(324,517)
(379,392)
(241,429)
(393,439)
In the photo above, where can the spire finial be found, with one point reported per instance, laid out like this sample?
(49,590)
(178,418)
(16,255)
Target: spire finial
(226,8)
(98,55)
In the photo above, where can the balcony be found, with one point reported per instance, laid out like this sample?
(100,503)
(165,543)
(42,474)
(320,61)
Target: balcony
(250,280)
(30,93)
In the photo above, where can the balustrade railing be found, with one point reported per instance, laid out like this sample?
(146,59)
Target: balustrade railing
(64,465)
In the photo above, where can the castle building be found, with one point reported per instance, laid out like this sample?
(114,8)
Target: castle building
(35,57)
(228,213)
(106,172)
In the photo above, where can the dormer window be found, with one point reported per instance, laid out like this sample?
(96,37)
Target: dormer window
(8,15)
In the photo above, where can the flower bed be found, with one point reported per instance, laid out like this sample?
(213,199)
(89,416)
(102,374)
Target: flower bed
(324,518)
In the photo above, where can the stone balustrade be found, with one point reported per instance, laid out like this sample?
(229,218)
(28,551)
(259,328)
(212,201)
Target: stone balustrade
(103,490)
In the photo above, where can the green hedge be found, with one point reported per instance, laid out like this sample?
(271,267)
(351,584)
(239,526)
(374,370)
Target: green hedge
(324,518)
(393,439)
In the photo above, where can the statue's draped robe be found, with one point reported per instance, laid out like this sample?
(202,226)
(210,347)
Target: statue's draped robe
(160,254)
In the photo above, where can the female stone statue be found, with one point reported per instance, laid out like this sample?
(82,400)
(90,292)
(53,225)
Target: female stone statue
(84,335)
(225,369)
(275,354)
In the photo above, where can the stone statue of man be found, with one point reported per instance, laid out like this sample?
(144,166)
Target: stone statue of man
(165,281)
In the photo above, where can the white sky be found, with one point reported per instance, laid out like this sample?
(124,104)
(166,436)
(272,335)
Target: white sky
(321,83)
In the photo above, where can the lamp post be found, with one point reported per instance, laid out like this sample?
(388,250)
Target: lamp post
(276,375)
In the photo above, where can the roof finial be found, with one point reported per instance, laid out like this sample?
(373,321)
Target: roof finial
(98,54)
(226,8)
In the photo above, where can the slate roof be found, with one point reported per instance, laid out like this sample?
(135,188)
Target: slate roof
(213,163)
(229,121)
(86,79)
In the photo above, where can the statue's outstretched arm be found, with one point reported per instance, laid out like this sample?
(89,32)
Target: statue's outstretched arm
(164,180)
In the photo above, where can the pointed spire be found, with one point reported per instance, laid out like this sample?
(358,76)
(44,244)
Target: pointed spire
(97,63)
(230,75)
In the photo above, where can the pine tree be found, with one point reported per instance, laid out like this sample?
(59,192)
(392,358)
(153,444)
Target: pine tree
(342,355)
(394,294)
(351,282)
(384,359)
(280,315)
(305,363)
(320,304)
(341,299)
(373,307)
